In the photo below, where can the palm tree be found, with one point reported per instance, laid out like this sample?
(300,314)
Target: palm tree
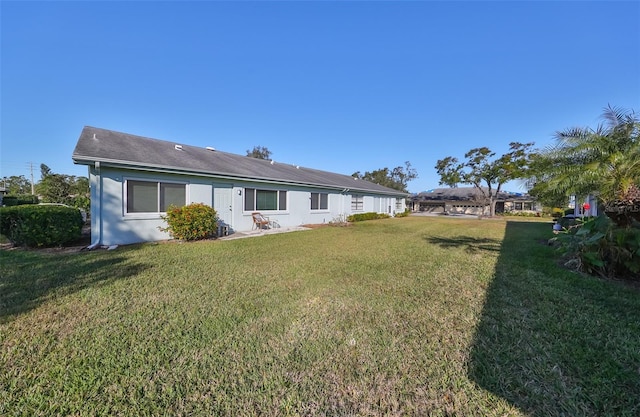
(604,162)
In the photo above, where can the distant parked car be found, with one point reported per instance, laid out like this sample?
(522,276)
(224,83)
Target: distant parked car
(82,212)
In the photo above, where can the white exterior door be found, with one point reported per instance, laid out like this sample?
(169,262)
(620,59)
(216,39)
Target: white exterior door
(223,203)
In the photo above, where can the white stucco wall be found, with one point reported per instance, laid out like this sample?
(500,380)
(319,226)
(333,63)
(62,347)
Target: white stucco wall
(110,224)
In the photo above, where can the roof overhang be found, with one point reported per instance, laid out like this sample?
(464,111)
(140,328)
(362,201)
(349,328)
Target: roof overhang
(83,160)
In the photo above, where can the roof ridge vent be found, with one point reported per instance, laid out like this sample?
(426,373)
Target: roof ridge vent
(178,147)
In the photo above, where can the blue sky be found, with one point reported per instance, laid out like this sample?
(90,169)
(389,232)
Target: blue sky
(339,86)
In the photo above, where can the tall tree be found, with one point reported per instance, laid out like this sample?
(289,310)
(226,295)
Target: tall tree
(80,186)
(396,178)
(55,188)
(61,188)
(604,161)
(45,170)
(16,185)
(485,172)
(259,152)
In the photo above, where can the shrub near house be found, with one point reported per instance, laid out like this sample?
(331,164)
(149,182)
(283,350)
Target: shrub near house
(597,246)
(36,226)
(367,216)
(193,222)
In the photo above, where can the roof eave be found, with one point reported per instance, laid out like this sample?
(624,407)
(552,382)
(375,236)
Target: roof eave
(85,160)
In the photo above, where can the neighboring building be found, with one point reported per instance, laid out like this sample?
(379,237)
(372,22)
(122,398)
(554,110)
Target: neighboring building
(587,207)
(469,200)
(134,179)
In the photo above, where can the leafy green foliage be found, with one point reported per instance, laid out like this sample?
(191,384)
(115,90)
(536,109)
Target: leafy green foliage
(404,213)
(63,189)
(597,246)
(36,226)
(367,216)
(193,222)
(523,214)
(19,200)
(259,152)
(485,172)
(396,178)
(601,161)
(81,201)
(55,188)
(15,185)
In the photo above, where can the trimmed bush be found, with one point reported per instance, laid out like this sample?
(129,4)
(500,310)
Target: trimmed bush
(367,216)
(193,222)
(81,202)
(555,212)
(404,213)
(522,214)
(36,226)
(19,200)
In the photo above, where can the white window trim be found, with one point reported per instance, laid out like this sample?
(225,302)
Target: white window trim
(278,211)
(319,210)
(149,215)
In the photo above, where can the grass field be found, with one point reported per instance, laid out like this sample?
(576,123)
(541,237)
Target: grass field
(412,316)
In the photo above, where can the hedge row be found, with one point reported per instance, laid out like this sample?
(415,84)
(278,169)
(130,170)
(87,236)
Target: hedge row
(19,200)
(367,216)
(36,226)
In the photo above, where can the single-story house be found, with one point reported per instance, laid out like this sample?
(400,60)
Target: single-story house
(134,180)
(469,200)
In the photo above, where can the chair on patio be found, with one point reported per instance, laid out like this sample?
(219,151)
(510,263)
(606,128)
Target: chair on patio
(259,221)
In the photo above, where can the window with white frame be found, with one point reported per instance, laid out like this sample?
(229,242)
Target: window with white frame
(264,200)
(154,196)
(319,201)
(357,203)
(398,204)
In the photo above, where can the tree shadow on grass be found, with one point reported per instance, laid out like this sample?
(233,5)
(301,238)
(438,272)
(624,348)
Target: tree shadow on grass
(29,278)
(470,244)
(552,342)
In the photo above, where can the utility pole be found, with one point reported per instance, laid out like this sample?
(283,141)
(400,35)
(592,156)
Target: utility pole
(33,188)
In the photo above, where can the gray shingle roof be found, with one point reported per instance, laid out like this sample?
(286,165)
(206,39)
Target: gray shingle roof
(126,150)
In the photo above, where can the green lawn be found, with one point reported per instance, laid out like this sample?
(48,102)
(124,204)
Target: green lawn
(412,316)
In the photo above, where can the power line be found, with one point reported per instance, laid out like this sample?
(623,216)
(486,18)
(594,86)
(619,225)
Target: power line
(26,165)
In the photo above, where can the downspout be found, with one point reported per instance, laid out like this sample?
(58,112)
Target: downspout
(344,202)
(96,202)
